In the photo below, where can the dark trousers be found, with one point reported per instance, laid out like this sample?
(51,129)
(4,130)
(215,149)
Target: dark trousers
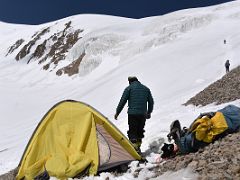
(227,69)
(136,125)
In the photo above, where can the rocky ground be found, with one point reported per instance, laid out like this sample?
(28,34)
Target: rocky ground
(10,175)
(220,160)
(224,90)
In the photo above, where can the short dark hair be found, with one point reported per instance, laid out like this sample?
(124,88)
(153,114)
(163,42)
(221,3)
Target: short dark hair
(132,79)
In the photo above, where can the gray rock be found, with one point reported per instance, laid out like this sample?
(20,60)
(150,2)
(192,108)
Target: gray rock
(193,165)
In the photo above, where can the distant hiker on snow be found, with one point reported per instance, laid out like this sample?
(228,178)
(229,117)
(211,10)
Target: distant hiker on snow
(207,128)
(227,65)
(140,107)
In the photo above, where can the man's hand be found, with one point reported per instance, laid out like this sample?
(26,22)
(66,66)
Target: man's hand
(115,116)
(148,116)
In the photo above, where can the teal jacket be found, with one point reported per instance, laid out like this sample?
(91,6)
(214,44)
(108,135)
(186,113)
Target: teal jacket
(139,97)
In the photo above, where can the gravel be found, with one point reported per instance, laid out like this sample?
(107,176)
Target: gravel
(219,160)
(224,90)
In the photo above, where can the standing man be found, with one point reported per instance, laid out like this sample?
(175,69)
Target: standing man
(140,107)
(227,65)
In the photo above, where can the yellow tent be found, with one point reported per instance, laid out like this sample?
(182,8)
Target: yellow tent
(71,138)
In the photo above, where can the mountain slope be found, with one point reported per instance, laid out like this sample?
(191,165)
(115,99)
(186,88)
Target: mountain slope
(63,45)
(176,55)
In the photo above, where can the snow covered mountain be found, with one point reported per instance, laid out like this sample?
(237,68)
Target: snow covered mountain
(89,57)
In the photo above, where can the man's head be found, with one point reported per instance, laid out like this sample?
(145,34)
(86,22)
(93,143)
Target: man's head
(132,79)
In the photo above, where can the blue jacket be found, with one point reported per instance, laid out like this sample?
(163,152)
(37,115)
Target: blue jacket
(139,97)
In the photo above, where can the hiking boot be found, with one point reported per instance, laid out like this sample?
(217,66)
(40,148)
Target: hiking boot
(175,131)
(137,144)
(133,141)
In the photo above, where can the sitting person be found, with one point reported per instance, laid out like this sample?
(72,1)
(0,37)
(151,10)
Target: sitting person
(207,128)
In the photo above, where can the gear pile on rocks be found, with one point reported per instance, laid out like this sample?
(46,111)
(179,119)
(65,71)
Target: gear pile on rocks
(219,160)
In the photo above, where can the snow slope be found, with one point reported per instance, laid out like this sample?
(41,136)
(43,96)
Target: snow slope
(175,55)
